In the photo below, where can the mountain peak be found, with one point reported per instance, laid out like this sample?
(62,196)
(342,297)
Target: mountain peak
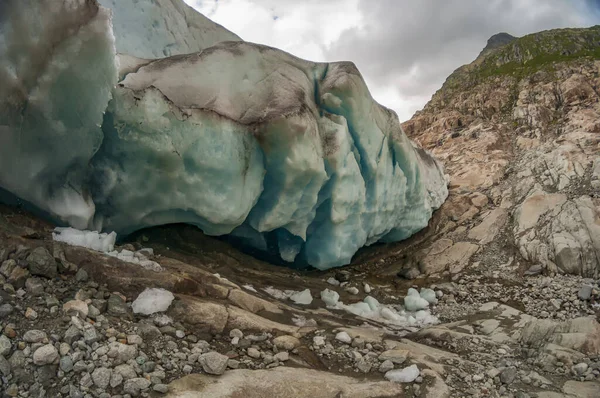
(498,40)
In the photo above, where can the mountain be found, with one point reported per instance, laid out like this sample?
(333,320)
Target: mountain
(518,128)
(496,41)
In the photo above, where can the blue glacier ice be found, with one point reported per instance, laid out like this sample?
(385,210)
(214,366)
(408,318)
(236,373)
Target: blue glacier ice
(162,28)
(292,157)
(57,70)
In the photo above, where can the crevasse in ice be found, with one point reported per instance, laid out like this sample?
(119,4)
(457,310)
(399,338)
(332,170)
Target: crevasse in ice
(291,156)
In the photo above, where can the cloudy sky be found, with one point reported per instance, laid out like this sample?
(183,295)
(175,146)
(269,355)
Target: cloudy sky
(405,49)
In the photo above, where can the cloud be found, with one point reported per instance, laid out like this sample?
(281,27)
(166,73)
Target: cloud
(404,48)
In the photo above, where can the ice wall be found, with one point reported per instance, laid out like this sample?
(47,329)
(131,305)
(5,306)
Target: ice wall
(57,70)
(162,28)
(243,135)
(291,156)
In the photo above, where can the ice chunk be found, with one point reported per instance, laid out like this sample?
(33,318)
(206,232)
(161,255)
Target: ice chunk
(90,239)
(152,300)
(304,297)
(330,297)
(406,375)
(429,295)
(332,281)
(278,294)
(414,302)
(371,308)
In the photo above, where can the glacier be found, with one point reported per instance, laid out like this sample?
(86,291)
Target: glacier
(186,123)
(57,70)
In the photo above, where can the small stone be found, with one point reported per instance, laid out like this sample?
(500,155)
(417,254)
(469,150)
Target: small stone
(585,292)
(45,355)
(180,334)
(148,367)
(134,339)
(213,363)
(233,364)
(535,269)
(116,306)
(135,386)
(17,278)
(282,356)
(358,342)
(253,353)
(42,263)
(76,307)
(66,364)
(72,334)
(7,267)
(161,388)
(161,320)
(34,287)
(4,366)
(10,332)
(363,365)
(367,288)
(287,343)
(81,275)
(318,341)
(580,368)
(343,337)
(12,390)
(5,310)
(508,375)
(91,335)
(126,371)
(5,345)
(34,336)
(148,332)
(101,377)
(116,379)
(236,333)
(122,352)
(30,313)
(386,366)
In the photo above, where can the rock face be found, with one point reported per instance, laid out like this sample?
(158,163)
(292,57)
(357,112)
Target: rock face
(520,126)
(294,157)
(280,382)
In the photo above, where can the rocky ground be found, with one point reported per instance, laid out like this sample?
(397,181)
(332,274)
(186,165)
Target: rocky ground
(69,327)
(511,258)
